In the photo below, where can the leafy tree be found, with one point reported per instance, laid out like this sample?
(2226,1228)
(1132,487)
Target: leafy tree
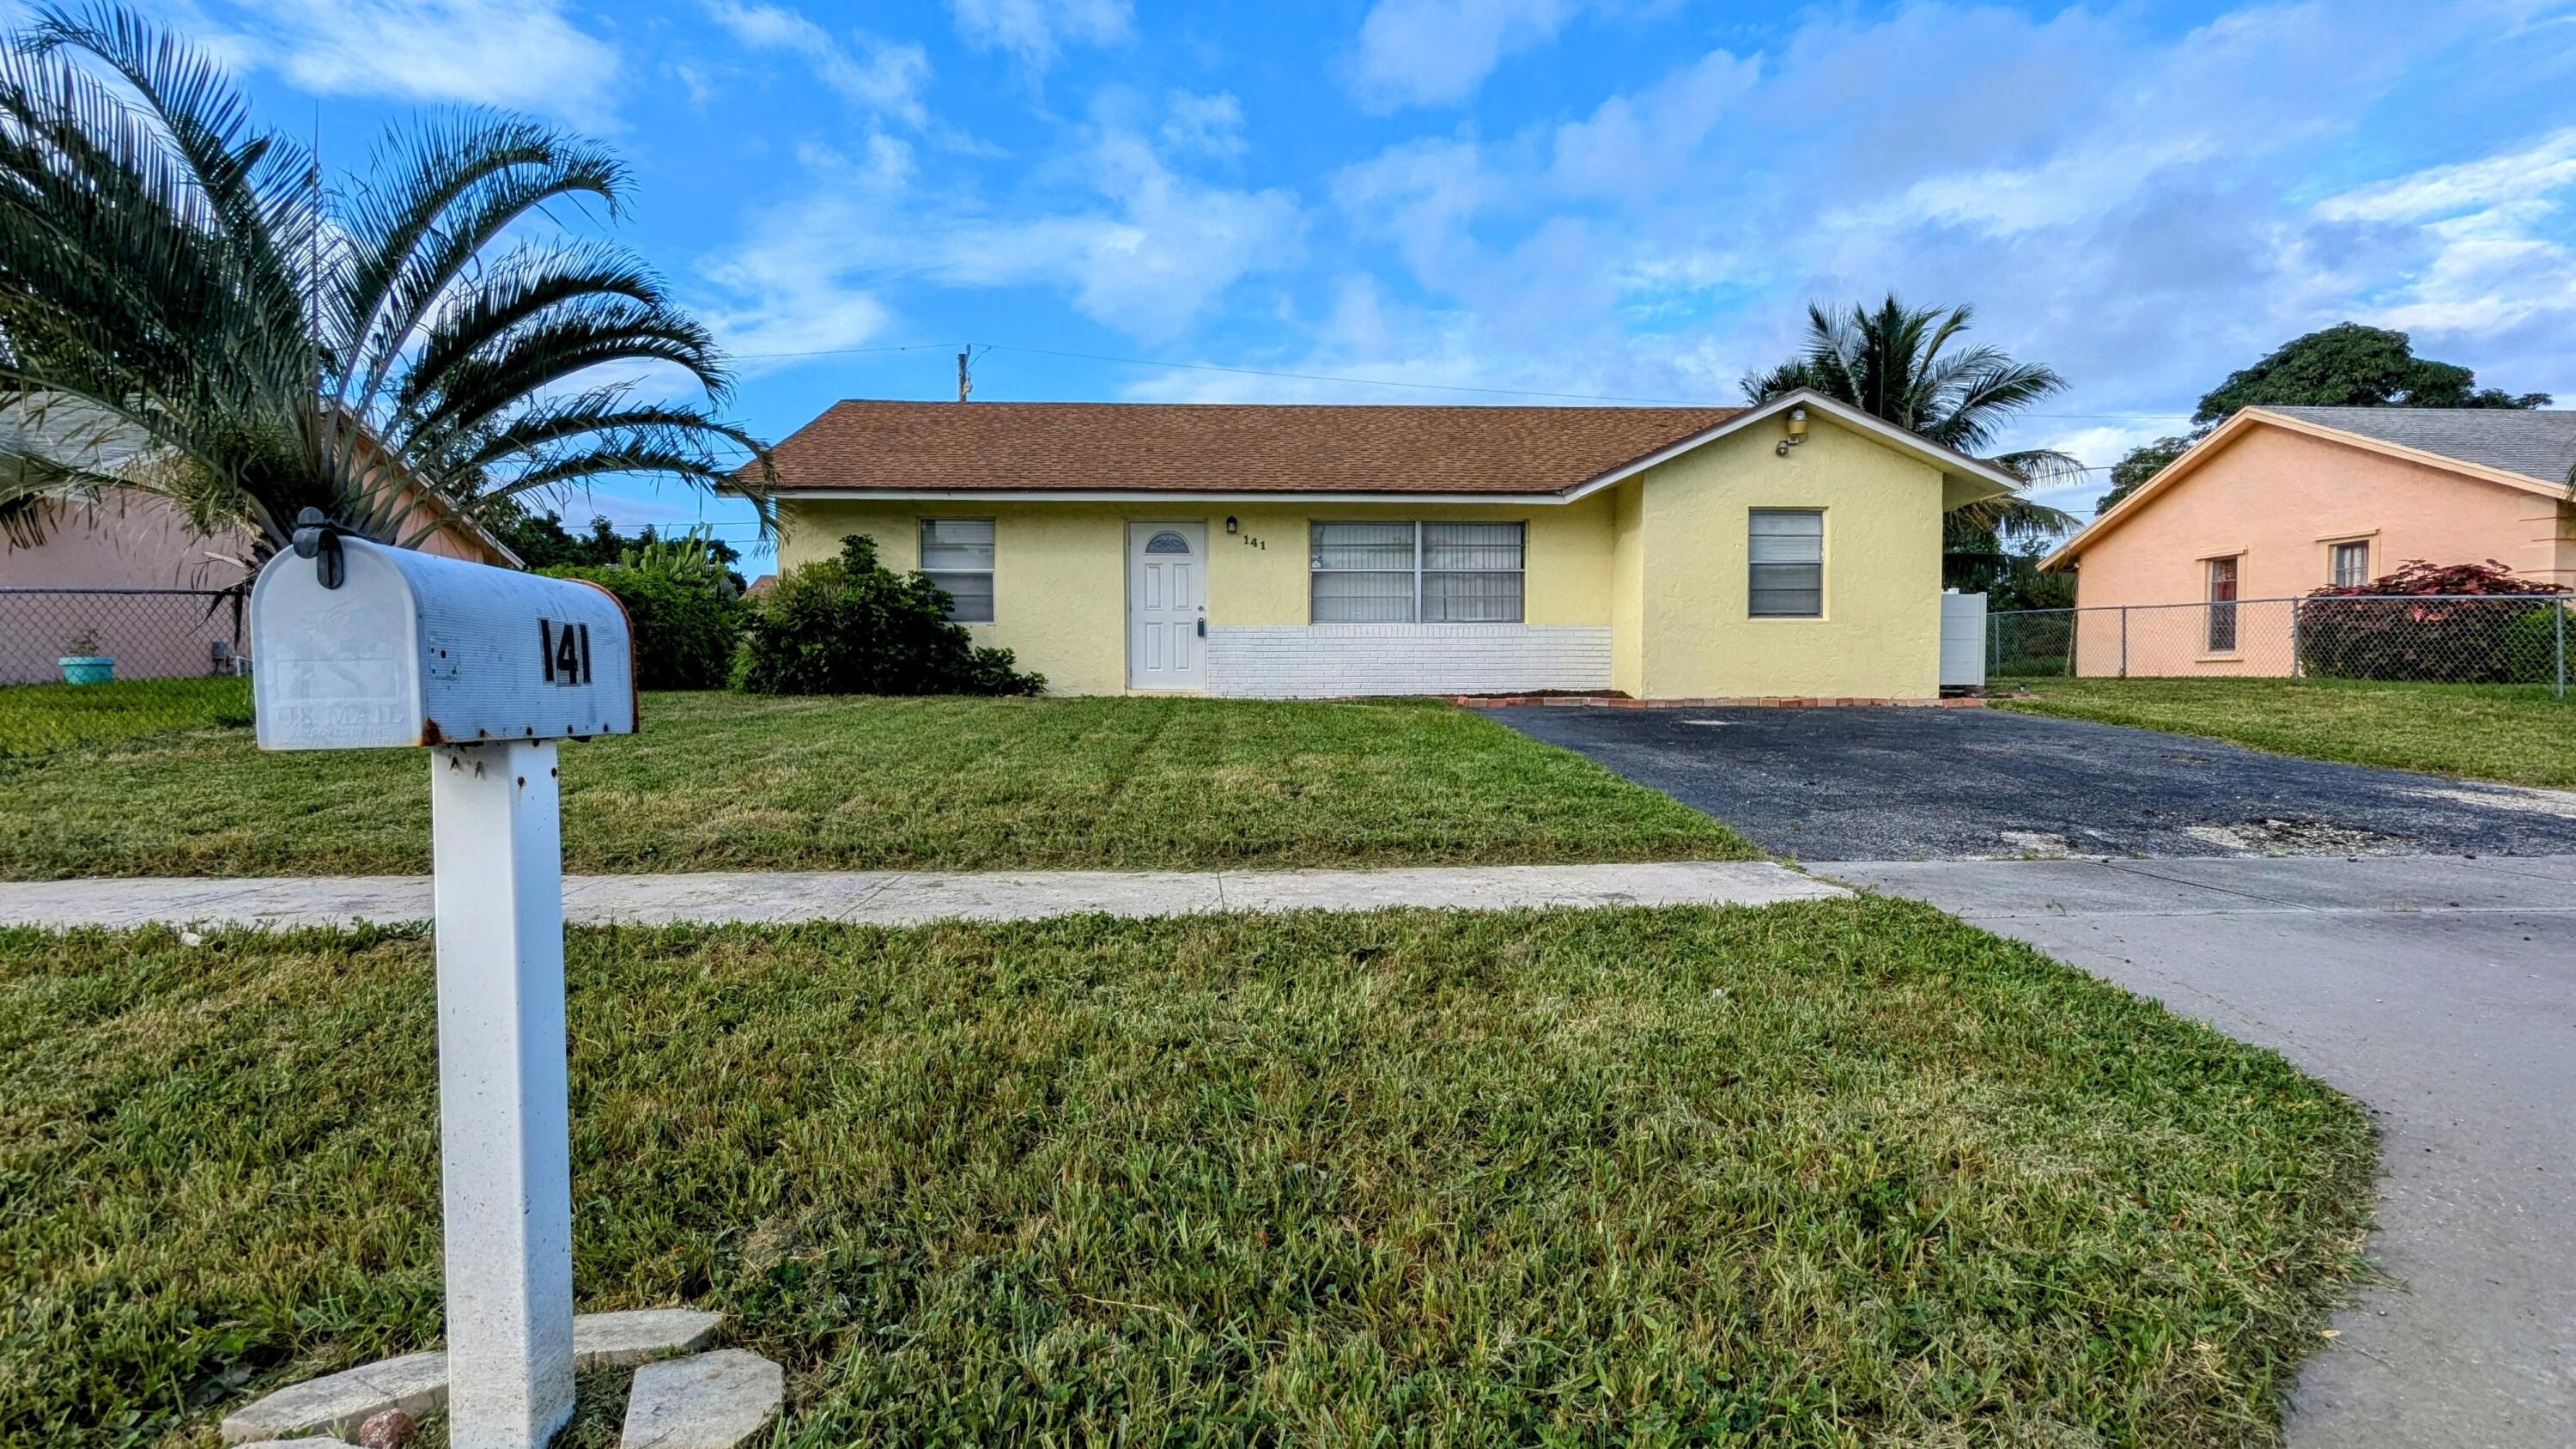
(1895,363)
(187,311)
(1975,561)
(850,625)
(686,629)
(2349,365)
(542,542)
(694,558)
(2346,365)
(2139,464)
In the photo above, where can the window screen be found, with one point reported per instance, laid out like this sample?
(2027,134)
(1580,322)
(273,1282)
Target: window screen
(1788,552)
(1403,573)
(2351,565)
(957,553)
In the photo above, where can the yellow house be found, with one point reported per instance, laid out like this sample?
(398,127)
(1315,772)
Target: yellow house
(1787,551)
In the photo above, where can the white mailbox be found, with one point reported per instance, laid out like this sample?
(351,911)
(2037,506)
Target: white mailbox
(358,646)
(412,649)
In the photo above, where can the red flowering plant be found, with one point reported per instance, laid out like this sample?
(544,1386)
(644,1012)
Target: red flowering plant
(2445,623)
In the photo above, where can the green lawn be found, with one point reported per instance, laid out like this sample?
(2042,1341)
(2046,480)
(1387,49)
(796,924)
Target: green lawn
(2516,733)
(1838,1173)
(728,782)
(37,719)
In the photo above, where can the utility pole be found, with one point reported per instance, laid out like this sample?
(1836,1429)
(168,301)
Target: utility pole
(965,384)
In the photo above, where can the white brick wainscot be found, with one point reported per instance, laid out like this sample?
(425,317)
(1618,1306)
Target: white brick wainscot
(1325,661)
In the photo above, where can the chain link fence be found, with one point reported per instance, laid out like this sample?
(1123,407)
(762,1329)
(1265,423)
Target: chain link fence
(2521,639)
(86,666)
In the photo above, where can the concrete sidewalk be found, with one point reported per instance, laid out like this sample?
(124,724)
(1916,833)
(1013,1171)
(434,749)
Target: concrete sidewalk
(2439,990)
(905,898)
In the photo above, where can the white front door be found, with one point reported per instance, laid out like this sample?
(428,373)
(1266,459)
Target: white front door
(1166,605)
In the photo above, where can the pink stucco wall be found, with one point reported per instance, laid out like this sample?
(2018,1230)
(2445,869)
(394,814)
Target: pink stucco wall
(132,542)
(2277,500)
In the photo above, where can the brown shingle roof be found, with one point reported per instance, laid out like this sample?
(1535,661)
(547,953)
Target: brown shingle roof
(1223,447)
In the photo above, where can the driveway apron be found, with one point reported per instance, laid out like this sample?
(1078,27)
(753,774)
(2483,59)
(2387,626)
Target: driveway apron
(2442,992)
(1906,784)
(2408,938)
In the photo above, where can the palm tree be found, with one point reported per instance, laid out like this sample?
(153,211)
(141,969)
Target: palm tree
(1891,363)
(185,311)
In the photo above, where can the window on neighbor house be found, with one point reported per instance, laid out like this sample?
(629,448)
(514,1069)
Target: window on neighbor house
(1405,573)
(957,553)
(2222,606)
(2351,564)
(1788,552)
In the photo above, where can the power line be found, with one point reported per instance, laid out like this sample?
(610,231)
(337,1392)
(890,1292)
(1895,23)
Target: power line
(842,351)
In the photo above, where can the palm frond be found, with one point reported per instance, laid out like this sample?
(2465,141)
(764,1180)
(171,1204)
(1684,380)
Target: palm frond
(272,344)
(455,185)
(2013,516)
(1788,377)
(1899,364)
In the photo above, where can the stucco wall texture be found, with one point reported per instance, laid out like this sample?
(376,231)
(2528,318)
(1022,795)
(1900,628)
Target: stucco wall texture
(131,541)
(1660,559)
(2277,502)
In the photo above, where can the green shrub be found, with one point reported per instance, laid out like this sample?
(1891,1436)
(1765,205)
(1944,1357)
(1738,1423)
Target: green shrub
(2433,623)
(850,625)
(2441,641)
(686,630)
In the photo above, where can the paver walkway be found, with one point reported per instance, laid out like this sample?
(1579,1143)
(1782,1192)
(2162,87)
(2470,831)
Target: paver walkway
(903,898)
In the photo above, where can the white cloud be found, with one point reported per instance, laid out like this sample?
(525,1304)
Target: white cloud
(1035,32)
(1631,146)
(1426,196)
(2534,171)
(2143,209)
(1435,52)
(787,290)
(1140,247)
(526,55)
(2480,256)
(2131,208)
(1204,125)
(883,77)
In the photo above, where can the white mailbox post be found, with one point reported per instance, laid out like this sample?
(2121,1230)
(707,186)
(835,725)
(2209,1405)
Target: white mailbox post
(359,646)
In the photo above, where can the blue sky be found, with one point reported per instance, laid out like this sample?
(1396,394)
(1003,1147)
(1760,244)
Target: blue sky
(1630,199)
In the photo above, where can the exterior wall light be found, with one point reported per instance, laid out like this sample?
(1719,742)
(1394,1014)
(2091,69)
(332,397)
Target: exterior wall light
(1230,524)
(1797,425)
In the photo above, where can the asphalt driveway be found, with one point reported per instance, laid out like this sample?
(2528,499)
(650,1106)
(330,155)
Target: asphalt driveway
(1922,784)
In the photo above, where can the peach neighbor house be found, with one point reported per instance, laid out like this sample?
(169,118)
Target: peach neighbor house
(2281,501)
(127,576)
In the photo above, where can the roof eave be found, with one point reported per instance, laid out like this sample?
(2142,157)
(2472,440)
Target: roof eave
(1995,482)
(1981,480)
(2199,454)
(1164,495)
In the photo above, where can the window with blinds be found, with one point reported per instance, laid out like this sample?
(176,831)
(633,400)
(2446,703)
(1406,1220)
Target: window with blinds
(2351,564)
(957,553)
(1406,573)
(2222,606)
(1788,553)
